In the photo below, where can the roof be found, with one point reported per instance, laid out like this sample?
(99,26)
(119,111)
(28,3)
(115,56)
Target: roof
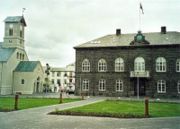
(26,66)
(58,69)
(5,53)
(14,19)
(154,38)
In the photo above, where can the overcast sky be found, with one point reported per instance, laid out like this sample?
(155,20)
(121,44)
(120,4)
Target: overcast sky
(54,27)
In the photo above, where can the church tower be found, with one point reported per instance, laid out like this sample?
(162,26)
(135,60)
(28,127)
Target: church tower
(14,32)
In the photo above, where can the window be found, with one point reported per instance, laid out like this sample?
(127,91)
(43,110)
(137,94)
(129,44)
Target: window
(178,86)
(20,56)
(160,64)
(102,85)
(22,81)
(17,55)
(53,73)
(178,65)
(119,65)
(11,30)
(70,80)
(52,81)
(58,74)
(58,82)
(139,64)
(10,41)
(85,85)
(161,86)
(119,85)
(102,65)
(86,65)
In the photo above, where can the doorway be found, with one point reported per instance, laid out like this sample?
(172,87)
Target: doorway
(142,87)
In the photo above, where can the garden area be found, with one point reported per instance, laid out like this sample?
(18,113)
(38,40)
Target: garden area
(123,109)
(7,104)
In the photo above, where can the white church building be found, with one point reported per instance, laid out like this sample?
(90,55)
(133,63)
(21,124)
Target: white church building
(17,73)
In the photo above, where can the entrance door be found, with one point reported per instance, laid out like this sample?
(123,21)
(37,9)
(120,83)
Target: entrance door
(142,87)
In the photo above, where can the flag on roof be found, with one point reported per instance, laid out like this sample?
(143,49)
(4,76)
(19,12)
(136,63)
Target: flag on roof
(141,7)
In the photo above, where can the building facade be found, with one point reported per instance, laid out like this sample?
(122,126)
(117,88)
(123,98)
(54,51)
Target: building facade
(62,78)
(12,53)
(144,64)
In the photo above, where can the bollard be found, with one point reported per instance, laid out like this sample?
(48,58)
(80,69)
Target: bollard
(60,101)
(16,102)
(146,111)
(82,95)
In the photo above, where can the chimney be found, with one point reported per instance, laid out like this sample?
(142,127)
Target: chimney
(118,32)
(163,29)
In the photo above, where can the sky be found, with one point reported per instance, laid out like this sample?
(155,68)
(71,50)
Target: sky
(54,27)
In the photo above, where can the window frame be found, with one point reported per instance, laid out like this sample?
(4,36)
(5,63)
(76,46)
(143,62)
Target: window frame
(119,65)
(139,64)
(102,85)
(85,65)
(102,65)
(160,84)
(178,65)
(22,81)
(85,85)
(178,87)
(161,64)
(119,86)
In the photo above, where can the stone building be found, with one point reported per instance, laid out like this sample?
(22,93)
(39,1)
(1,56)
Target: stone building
(144,64)
(12,60)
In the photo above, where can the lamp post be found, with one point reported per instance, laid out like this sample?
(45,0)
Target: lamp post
(47,71)
(137,85)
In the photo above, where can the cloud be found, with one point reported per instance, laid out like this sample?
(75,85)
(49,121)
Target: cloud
(54,27)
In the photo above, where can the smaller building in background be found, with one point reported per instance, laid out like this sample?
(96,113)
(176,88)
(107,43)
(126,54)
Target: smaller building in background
(62,78)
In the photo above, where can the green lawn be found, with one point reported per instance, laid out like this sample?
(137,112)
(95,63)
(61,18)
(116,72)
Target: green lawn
(24,103)
(125,109)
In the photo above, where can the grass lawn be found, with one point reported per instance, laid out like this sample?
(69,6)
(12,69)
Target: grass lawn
(113,108)
(7,104)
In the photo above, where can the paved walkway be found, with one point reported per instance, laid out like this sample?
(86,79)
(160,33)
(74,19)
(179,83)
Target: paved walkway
(37,118)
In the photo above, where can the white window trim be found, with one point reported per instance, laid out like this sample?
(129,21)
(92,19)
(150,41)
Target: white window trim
(139,64)
(158,66)
(85,65)
(85,82)
(119,65)
(121,84)
(161,83)
(103,65)
(178,87)
(100,81)
(178,65)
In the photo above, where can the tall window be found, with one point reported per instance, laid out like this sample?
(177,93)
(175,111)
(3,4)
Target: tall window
(178,65)
(20,56)
(160,64)
(139,64)
(59,82)
(178,86)
(161,86)
(58,74)
(119,85)
(102,65)
(85,85)
(52,81)
(102,85)
(11,30)
(17,55)
(22,81)
(119,65)
(21,34)
(86,65)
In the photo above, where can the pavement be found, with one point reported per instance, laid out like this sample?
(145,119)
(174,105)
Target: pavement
(37,118)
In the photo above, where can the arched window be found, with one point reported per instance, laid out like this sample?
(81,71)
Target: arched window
(22,81)
(85,85)
(139,64)
(178,86)
(160,64)
(119,65)
(11,30)
(102,65)
(17,56)
(20,56)
(86,65)
(119,85)
(102,85)
(178,65)
(161,86)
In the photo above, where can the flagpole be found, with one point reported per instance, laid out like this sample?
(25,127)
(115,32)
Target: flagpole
(139,16)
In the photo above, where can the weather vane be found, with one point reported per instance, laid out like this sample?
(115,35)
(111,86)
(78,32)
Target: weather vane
(23,9)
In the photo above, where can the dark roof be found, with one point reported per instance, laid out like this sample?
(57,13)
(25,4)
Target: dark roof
(26,66)
(154,38)
(5,53)
(14,19)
